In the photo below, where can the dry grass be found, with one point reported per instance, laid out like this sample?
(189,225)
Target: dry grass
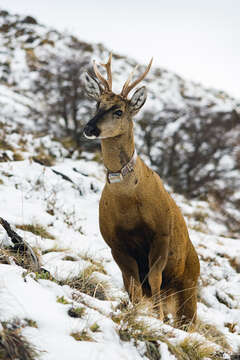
(198,227)
(4,145)
(235,263)
(13,345)
(54,249)
(69,258)
(88,284)
(96,265)
(195,349)
(36,229)
(81,336)
(212,334)
(31,323)
(44,159)
(232,327)
(200,216)
(131,327)
(19,256)
(17,156)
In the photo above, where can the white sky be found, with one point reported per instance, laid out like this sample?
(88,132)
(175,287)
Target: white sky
(198,39)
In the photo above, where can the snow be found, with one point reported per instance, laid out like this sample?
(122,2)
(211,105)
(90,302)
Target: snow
(24,198)
(34,194)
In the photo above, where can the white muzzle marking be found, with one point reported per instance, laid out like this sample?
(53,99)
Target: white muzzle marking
(91,137)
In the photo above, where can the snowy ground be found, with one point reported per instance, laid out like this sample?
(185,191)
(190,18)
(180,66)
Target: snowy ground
(107,327)
(34,194)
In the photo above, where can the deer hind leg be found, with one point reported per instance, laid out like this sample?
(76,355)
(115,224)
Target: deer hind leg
(155,281)
(187,296)
(170,303)
(187,291)
(130,274)
(187,304)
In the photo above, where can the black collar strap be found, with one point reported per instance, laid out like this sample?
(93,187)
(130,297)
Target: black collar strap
(116,177)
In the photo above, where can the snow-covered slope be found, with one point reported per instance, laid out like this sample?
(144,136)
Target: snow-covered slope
(75,306)
(32,194)
(198,119)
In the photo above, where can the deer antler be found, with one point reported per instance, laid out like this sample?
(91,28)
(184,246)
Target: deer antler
(127,87)
(106,83)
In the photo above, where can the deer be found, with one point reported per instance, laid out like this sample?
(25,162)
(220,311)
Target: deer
(138,218)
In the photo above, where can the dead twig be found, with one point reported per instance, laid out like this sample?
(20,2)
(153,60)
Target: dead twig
(20,244)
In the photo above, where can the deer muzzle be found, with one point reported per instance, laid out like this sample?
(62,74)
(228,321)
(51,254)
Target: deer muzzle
(91,132)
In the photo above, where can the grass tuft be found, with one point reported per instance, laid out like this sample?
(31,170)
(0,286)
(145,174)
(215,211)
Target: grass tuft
(69,258)
(44,158)
(62,300)
(18,156)
(132,327)
(19,256)
(44,275)
(212,334)
(232,327)
(31,323)
(55,248)
(95,327)
(4,145)
(200,216)
(197,350)
(96,265)
(36,229)
(129,324)
(88,284)
(13,345)
(81,336)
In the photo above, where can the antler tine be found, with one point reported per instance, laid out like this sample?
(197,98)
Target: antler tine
(127,88)
(100,77)
(129,79)
(109,71)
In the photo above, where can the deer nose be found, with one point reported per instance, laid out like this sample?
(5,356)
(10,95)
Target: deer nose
(91,132)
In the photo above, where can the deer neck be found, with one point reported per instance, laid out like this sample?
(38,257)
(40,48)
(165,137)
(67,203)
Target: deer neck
(118,151)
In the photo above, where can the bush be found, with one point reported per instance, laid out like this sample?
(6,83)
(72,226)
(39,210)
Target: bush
(196,150)
(189,149)
(57,85)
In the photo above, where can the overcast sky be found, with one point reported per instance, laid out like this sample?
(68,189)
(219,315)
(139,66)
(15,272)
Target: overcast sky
(198,39)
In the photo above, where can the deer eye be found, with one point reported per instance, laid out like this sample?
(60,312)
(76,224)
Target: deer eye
(118,112)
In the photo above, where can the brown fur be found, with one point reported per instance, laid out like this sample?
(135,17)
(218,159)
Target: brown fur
(142,224)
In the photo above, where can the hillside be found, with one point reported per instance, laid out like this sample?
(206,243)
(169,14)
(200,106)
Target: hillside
(189,134)
(74,306)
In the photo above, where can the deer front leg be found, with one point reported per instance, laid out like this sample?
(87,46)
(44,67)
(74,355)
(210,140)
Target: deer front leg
(157,258)
(130,274)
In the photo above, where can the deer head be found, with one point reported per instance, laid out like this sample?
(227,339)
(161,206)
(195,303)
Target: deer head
(114,112)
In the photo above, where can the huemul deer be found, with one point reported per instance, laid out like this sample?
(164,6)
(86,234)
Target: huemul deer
(138,219)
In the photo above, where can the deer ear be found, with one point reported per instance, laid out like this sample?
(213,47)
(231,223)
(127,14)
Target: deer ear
(92,86)
(138,99)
